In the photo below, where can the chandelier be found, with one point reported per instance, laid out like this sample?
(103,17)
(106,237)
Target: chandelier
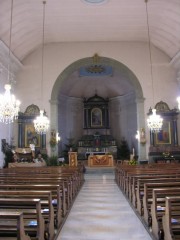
(9,106)
(154,121)
(41,123)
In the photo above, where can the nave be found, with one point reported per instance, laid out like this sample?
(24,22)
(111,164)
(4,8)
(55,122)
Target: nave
(101,212)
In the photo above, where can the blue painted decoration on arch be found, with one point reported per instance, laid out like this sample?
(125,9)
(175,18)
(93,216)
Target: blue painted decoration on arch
(96,70)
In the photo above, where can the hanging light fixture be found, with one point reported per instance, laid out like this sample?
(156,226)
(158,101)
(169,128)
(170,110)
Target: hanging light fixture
(154,121)
(9,106)
(41,123)
(58,138)
(178,100)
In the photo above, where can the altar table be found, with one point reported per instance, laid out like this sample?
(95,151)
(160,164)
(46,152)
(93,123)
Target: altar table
(100,161)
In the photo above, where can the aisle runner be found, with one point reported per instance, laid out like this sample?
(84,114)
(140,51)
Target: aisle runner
(101,212)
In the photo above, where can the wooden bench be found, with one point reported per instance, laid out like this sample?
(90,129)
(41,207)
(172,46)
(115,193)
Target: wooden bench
(65,185)
(171,219)
(126,175)
(71,180)
(148,191)
(158,208)
(13,223)
(69,177)
(46,205)
(132,180)
(31,208)
(56,195)
(142,192)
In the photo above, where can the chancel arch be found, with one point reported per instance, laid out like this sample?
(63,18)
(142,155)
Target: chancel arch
(122,88)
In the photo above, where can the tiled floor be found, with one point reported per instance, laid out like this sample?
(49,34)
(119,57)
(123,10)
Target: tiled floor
(101,212)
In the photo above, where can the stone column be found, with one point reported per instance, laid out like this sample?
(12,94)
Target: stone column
(175,132)
(141,124)
(20,130)
(54,122)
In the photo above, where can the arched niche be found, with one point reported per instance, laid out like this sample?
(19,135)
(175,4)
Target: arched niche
(139,99)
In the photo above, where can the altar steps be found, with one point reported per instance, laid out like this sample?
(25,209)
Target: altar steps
(99,170)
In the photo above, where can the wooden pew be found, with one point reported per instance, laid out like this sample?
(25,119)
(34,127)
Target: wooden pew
(158,208)
(31,208)
(141,191)
(17,227)
(56,195)
(148,191)
(133,180)
(71,179)
(48,176)
(65,185)
(128,173)
(42,179)
(46,205)
(136,187)
(171,219)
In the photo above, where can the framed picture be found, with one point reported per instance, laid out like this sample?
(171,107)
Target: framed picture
(164,136)
(31,137)
(96,117)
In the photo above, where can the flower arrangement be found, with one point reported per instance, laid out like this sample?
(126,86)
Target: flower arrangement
(132,162)
(53,142)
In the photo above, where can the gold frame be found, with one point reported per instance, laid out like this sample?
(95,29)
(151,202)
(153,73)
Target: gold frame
(96,117)
(31,137)
(164,136)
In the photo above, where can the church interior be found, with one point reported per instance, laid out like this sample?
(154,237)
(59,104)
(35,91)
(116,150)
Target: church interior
(89,101)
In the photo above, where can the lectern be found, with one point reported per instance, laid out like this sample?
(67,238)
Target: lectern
(73,159)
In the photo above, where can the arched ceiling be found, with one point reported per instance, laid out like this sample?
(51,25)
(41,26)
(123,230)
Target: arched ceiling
(105,86)
(77,21)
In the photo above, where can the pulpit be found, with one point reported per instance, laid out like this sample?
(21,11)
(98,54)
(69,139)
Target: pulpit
(100,161)
(73,159)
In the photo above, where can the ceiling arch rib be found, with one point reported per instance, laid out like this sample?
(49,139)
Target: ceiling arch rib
(158,41)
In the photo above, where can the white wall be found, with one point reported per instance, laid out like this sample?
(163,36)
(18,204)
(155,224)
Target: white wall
(12,65)
(123,119)
(70,119)
(59,56)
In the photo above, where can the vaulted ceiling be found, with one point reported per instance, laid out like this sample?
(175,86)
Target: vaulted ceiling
(77,21)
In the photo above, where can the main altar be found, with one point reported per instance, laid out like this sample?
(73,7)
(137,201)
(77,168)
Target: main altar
(100,161)
(96,138)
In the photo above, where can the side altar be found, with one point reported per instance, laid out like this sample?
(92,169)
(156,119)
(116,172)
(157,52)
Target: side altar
(100,161)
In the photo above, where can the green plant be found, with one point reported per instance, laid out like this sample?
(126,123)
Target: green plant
(132,162)
(123,150)
(52,161)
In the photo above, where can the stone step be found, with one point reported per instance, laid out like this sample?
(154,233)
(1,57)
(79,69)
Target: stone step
(100,170)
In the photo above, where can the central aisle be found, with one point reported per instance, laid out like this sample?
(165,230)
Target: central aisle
(101,212)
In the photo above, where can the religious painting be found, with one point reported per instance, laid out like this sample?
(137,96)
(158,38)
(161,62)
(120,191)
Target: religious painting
(31,137)
(164,135)
(96,117)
